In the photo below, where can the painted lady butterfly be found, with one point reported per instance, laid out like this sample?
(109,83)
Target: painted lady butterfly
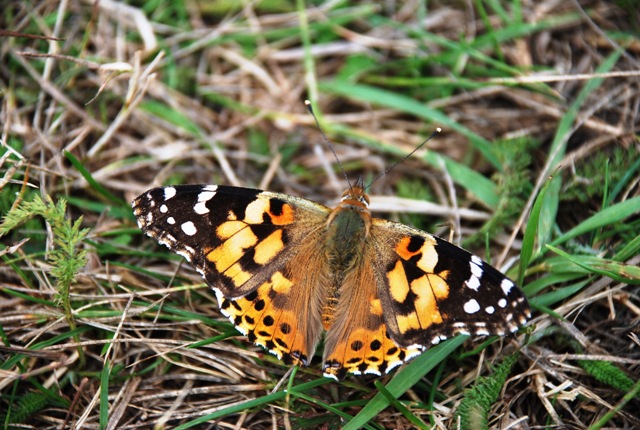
(285,268)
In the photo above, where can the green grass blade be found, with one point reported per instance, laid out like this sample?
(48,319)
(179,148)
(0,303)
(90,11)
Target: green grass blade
(397,405)
(630,250)
(104,394)
(530,233)
(405,379)
(380,97)
(92,182)
(612,269)
(608,216)
(250,404)
(172,116)
(559,148)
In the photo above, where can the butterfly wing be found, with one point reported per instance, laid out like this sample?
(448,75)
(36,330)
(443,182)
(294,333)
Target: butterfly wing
(252,247)
(431,290)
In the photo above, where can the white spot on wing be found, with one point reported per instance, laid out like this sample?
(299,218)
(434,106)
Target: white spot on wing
(476,273)
(329,375)
(393,365)
(411,354)
(473,283)
(169,192)
(164,209)
(185,254)
(274,352)
(472,306)
(506,286)
(502,303)
(220,298)
(490,310)
(201,208)
(205,196)
(171,220)
(189,228)
(211,188)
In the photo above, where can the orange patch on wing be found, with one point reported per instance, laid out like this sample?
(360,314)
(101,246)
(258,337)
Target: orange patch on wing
(286,217)
(270,327)
(230,251)
(286,334)
(439,286)
(280,284)
(375,307)
(429,258)
(427,252)
(237,274)
(408,322)
(402,248)
(254,213)
(426,307)
(268,248)
(398,284)
(229,228)
(356,349)
(367,351)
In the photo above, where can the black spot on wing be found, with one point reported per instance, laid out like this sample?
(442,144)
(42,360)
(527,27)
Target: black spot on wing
(276,205)
(415,243)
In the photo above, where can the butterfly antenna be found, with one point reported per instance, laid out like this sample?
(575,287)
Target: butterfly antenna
(327,141)
(435,132)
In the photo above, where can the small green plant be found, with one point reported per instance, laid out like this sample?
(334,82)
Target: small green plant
(473,410)
(513,184)
(607,373)
(67,256)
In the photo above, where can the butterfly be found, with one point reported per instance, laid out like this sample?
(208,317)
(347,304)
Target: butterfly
(286,269)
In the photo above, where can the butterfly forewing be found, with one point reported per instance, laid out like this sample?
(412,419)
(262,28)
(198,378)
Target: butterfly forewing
(236,237)
(434,290)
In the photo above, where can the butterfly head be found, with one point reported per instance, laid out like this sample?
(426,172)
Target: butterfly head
(356,195)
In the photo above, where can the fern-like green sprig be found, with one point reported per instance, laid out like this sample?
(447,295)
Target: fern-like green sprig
(512,184)
(608,373)
(67,257)
(473,411)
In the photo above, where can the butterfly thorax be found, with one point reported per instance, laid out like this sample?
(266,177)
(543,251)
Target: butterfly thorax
(347,230)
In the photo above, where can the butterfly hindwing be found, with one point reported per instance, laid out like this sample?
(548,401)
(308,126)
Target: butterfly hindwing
(358,341)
